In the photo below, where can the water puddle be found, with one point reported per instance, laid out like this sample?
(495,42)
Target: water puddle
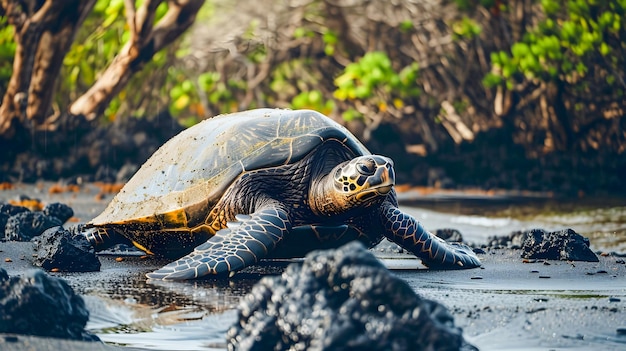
(602,220)
(503,307)
(161,315)
(127,323)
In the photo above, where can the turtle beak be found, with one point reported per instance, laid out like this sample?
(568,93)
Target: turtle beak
(383,190)
(387,179)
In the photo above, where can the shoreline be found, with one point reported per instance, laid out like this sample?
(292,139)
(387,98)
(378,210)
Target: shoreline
(505,305)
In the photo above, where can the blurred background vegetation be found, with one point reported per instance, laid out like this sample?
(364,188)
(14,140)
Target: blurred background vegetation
(457,91)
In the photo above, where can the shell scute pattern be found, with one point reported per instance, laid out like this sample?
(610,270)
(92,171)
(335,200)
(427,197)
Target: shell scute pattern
(200,163)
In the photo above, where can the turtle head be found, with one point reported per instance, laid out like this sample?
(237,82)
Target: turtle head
(360,182)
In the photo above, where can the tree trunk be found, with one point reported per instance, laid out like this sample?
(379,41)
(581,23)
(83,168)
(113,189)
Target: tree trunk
(560,124)
(44,32)
(146,40)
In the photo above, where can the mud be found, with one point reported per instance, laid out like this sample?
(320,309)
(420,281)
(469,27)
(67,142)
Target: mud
(508,304)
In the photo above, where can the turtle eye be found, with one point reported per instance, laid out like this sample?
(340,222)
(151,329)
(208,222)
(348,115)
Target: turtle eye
(366,167)
(338,174)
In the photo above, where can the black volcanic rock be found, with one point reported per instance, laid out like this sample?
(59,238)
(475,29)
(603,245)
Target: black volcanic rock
(26,225)
(61,211)
(564,245)
(342,299)
(37,304)
(12,210)
(58,249)
(449,235)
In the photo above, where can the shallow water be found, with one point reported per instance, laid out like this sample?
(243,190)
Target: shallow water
(602,220)
(506,308)
(196,315)
(163,315)
(128,310)
(173,327)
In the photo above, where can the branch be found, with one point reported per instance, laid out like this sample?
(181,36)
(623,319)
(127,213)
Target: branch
(15,14)
(453,123)
(129,6)
(43,36)
(146,40)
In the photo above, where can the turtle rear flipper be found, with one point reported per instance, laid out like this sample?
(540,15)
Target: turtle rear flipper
(231,249)
(104,238)
(434,252)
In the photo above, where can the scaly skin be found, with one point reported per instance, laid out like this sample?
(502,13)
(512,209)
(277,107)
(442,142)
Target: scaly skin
(434,252)
(262,183)
(231,249)
(255,236)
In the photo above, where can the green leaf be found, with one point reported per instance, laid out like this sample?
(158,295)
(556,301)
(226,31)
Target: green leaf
(345,80)
(520,49)
(176,92)
(351,114)
(507,71)
(207,80)
(330,37)
(300,101)
(329,50)
(491,80)
(610,79)
(550,6)
(187,86)
(406,25)
(504,58)
(299,32)
(362,92)
(315,97)
(605,49)
(182,102)
(495,58)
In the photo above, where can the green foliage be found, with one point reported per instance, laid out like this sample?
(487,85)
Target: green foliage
(372,79)
(302,32)
(98,41)
(362,79)
(351,114)
(466,28)
(406,26)
(313,100)
(282,79)
(7,52)
(181,95)
(330,41)
(550,7)
(567,44)
(186,95)
(468,4)
(292,81)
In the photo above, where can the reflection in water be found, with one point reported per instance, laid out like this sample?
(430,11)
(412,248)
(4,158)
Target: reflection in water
(126,309)
(194,315)
(190,327)
(165,315)
(215,295)
(602,220)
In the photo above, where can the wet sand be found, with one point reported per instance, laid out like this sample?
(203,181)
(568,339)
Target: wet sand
(505,305)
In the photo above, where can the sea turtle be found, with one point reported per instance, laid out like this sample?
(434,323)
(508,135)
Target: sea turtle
(263,183)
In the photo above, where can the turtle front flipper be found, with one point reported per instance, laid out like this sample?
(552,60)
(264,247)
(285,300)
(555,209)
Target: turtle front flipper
(231,249)
(434,252)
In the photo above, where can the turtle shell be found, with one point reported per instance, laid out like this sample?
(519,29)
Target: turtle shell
(198,165)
